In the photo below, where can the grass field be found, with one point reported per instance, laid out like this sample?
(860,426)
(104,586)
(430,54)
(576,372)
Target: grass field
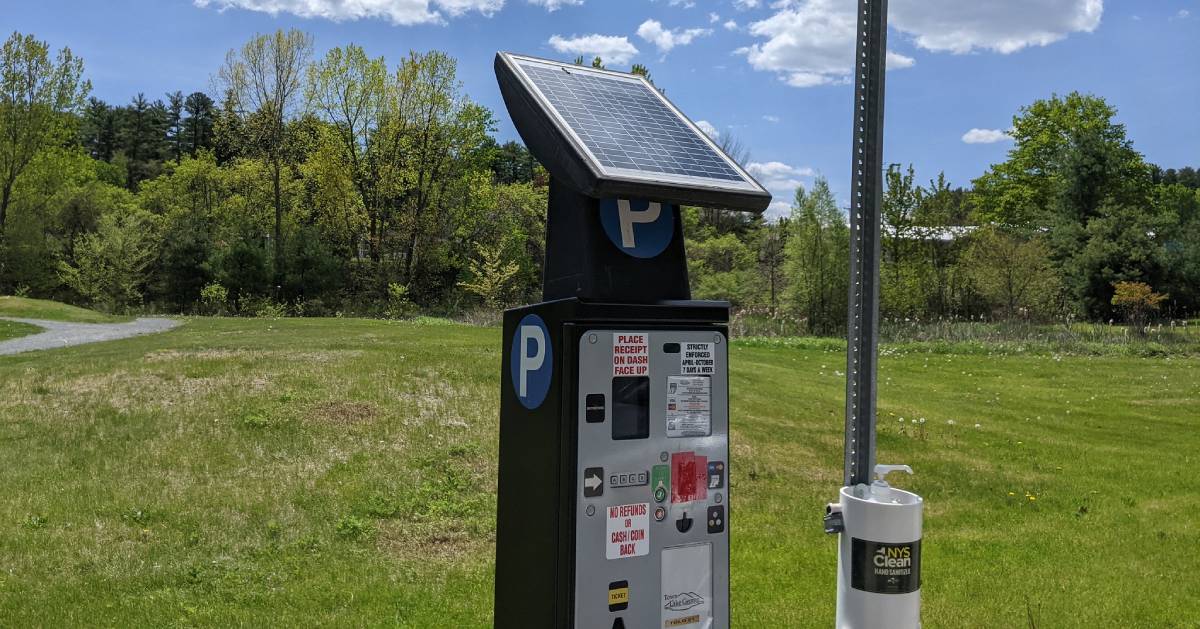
(14,329)
(25,308)
(238,472)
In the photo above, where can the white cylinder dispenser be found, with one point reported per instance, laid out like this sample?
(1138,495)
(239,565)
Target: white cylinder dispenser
(879,554)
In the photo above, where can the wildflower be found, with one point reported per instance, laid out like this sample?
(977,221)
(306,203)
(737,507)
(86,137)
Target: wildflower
(950,421)
(1032,498)
(922,420)
(1012,493)
(977,426)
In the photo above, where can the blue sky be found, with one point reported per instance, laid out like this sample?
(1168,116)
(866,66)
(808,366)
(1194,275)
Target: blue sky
(772,73)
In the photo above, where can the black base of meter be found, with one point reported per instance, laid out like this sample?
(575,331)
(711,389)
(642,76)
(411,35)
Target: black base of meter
(589,433)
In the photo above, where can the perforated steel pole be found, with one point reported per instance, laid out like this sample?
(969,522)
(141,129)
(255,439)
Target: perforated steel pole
(865,203)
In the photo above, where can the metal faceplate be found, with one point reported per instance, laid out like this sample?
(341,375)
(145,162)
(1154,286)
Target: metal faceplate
(669,573)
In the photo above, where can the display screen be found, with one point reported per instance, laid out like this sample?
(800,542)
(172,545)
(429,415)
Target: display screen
(630,407)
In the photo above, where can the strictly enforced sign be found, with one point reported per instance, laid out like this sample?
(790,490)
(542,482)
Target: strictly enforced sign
(697,359)
(628,531)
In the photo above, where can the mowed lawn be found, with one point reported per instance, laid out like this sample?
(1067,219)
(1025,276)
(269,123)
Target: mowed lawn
(238,472)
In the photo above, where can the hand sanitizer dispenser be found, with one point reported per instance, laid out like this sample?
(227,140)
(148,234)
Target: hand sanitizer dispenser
(879,554)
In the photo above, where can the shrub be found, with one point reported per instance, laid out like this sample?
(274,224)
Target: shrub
(214,299)
(267,308)
(398,303)
(1137,300)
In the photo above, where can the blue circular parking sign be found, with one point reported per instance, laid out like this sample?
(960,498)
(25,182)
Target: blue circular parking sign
(639,228)
(531,361)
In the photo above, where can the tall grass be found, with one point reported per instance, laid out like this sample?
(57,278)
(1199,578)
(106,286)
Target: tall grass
(1003,335)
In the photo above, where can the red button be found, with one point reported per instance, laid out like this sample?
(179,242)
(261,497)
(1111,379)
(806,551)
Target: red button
(689,477)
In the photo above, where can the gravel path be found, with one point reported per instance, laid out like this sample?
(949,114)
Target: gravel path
(60,334)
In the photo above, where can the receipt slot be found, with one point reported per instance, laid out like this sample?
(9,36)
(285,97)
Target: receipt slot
(613,506)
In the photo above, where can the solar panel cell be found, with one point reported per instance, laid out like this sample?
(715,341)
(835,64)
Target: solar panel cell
(625,126)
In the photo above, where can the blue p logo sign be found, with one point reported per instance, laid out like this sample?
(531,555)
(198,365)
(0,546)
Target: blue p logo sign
(642,229)
(531,361)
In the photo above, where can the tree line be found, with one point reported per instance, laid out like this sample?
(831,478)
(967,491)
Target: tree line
(1067,227)
(346,183)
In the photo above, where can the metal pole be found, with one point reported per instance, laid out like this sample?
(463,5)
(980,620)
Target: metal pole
(865,202)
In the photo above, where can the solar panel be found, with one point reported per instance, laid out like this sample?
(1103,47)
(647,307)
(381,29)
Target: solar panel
(625,131)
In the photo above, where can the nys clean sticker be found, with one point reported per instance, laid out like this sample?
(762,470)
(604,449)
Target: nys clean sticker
(885,568)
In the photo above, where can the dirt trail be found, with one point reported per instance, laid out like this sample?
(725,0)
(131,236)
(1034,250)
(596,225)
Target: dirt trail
(61,334)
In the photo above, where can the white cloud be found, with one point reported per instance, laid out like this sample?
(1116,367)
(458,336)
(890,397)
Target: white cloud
(713,18)
(897,61)
(653,32)
(743,5)
(771,119)
(781,180)
(554,5)
(708,128)
(1003,26)
(1182,15)
(730,25)
(611,48)
(985,136)
(402,12)
(811,42)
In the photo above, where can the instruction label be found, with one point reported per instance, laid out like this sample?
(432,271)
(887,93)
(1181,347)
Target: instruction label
(697,359)
(628,531)
(687,586)
(689,405)
(631,354)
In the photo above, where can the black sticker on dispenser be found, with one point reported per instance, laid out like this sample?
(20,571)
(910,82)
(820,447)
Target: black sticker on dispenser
(885,568)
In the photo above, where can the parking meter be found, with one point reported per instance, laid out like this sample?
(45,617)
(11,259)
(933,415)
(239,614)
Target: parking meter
(613,492)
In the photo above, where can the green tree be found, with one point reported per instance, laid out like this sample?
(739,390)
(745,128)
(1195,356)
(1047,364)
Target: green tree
(142,138)
(817,266)
(174,125)
(349,90)
(38,100)
(197,132)
(491,275)
(98,132)
(1073,172)
(1013,272)
(1025,188)
(110,267)
(264,79)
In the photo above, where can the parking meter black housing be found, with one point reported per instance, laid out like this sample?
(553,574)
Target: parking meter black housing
(612,499)
(564,153)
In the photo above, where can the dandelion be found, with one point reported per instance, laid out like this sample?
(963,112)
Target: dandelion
(1012,493)
(922,420)
(950,422)
(978,426)
(1032,498)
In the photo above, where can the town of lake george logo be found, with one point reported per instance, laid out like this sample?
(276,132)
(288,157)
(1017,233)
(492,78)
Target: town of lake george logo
(683,601)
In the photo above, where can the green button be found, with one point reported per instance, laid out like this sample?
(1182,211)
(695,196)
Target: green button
(660,480)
